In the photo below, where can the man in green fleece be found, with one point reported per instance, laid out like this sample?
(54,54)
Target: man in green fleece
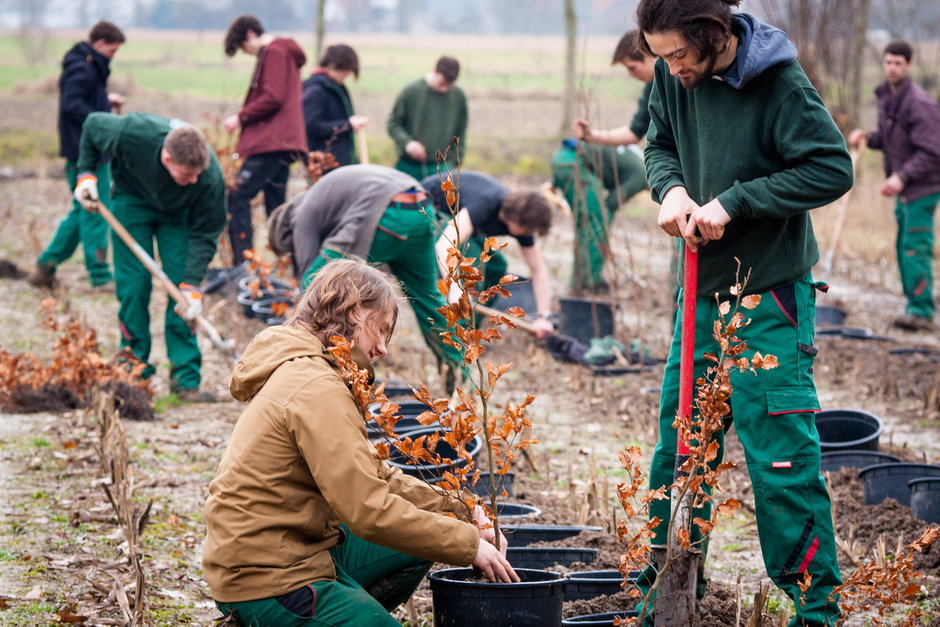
(740,149)
(428,114)
(168,188)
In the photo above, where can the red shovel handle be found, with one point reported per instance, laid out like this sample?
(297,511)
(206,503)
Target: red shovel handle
(687,353)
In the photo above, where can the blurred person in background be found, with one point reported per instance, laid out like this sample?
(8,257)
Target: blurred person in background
(908,134)
(428,114)
(83,90)
(271,122)
(328,110)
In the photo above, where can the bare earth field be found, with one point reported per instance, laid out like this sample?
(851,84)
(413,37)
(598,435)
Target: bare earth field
(60,544)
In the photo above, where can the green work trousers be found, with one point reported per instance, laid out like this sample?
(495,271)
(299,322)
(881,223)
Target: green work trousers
(584,176)
(371,580)
(915,252)
(416,169)
(774,416)
(404,240)
(134,282)
(83,226)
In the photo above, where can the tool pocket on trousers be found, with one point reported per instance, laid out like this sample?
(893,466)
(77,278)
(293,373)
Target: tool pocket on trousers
(785,297)
(788,438)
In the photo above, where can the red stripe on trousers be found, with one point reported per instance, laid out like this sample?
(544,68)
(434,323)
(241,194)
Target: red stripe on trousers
(809,555)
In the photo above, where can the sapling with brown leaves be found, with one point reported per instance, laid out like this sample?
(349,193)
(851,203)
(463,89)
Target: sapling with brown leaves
(474,411)
(698,477)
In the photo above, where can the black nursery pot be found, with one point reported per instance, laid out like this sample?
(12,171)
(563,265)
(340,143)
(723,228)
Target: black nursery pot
(828,316)
(516,511)
(583,318)
(543,557)
(598,620)
(890,481)
(848,429)
(837,460)
(247,299)
(264,309)
(269,283)
(482,486)
(461,599)
(224,278)
(524,535)
(433,472)
(925,499)
(594,583)
(409,411)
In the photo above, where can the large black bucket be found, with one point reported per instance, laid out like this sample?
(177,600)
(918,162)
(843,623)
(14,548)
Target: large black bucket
(520,295)
(598,620)
(594,583)
(583,318)
(848,429)
(460,599)
(890,481)
(837,460)
(925,499)
(409,411)
(542,557)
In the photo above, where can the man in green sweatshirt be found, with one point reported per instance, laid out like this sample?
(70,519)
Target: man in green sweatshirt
(168,188)
(740,148)
(427,115)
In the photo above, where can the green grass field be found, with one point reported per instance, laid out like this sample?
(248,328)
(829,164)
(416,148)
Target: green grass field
(199,67)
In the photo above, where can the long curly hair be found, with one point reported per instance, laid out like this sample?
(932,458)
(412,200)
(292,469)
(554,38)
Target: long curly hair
(338,292)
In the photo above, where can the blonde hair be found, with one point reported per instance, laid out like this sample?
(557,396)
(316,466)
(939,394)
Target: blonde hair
(338,291)
(187,147)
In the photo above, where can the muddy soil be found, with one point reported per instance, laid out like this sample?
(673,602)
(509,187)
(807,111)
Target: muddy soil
(58,534)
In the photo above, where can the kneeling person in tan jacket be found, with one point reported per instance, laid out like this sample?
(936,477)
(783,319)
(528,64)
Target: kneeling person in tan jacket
(303,521)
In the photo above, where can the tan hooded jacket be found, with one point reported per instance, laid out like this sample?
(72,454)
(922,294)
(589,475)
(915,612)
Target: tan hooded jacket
(298,464)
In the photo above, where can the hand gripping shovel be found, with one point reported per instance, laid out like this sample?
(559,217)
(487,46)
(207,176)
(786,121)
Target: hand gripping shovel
(561,346)
(675,603)
(225,346)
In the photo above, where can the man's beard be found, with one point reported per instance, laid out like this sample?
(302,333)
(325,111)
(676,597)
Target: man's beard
(694,79)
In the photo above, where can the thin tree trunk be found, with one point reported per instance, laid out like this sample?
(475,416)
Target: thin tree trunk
(862,11)
(321,29)
(571,37)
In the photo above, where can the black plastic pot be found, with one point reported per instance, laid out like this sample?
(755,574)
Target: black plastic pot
(890,481)
(925,499)
(594,583)
(482,486)
(409,411)
(827,316)
(837,460)
(248,299)
(264,309)
(396,387)
(524,535)
(516,511)
(460,599)
(224,278)
(433,472)
(583,318)
(848,429)
(521,295)
(269,283)
(598,620)
(544,557)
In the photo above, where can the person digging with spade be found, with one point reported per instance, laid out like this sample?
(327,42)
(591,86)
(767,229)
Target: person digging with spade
(168,189)
(740,148)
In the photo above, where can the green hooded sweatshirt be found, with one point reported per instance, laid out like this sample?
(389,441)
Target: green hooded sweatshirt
(760,140)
